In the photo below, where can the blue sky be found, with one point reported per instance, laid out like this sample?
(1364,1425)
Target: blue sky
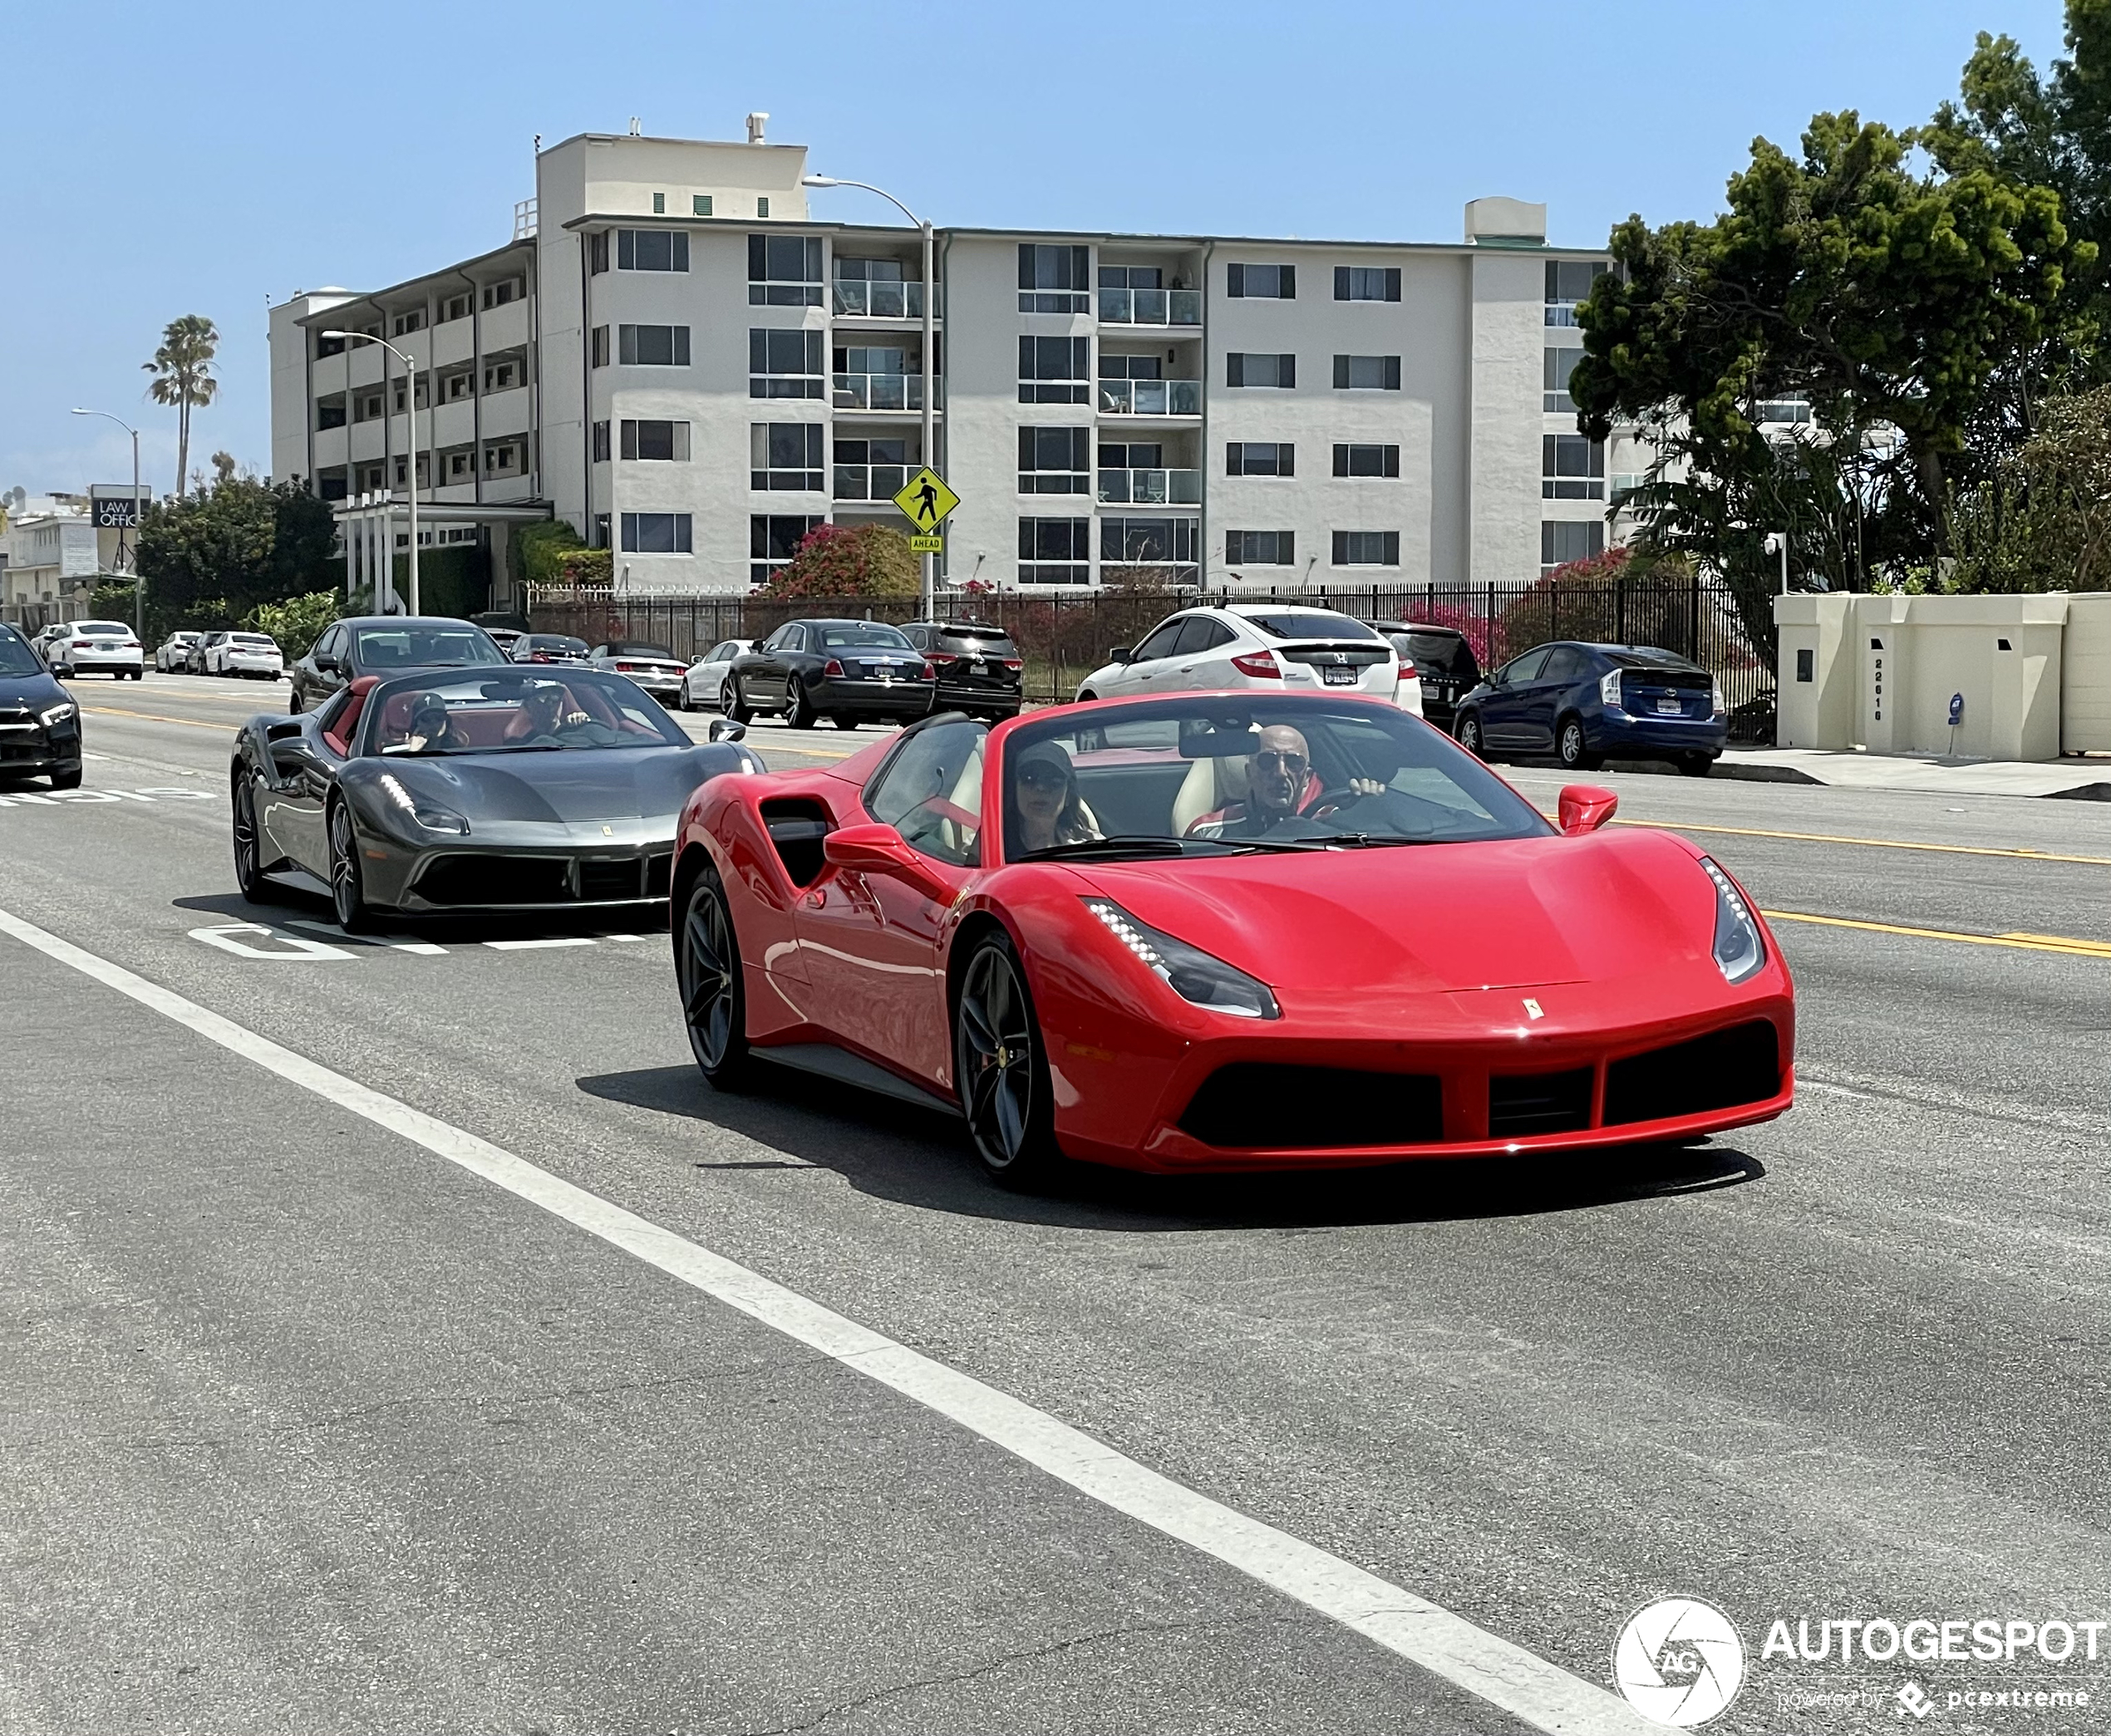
(205,160)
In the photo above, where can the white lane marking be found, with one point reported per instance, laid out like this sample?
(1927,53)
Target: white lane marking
(1520,1682)
(85,755)
(228,938)
(424,949)
(559,939)
(150,793)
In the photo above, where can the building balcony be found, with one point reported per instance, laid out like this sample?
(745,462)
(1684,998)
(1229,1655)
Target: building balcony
(1150,307)
(885,391)
(1150,488)
(872,482)
(860,298)
(1150,397)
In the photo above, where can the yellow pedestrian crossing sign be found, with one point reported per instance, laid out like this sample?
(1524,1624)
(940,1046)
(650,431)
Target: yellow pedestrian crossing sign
(926,499)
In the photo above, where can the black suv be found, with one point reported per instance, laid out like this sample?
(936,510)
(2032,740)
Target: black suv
(844,670)
(980,669)
(1443,659)
(386,645)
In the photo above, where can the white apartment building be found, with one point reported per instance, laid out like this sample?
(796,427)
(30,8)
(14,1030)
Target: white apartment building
(678,357)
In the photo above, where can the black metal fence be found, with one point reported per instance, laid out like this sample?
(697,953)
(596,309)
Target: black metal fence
(1064,636)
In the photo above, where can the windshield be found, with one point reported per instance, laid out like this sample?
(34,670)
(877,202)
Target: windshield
(117,628)
(1448,653)
(1206,775)
(640,651)
(552,641)
(1307,624)
(518,713)
(850,634)
(16,658)
(973,638)
(413,647)
(1651,660)
(256,640)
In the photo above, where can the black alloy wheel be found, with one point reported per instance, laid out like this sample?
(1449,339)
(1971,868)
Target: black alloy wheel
(707,972)
(1469,736)
(730,705)
(249,857)
(1000,1072)
(293,703)
(1696,765)
(798,706)
(347,898)
(1572,749)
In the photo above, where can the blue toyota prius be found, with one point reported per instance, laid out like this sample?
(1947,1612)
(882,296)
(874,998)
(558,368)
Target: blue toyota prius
(1585,703)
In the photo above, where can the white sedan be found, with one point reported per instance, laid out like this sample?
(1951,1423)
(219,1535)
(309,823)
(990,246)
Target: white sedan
(105,647)
(175,651)
(1295,647)
(707,684)
(253,655)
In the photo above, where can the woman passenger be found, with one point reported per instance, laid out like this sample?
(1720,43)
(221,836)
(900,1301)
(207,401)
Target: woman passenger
(1045,805)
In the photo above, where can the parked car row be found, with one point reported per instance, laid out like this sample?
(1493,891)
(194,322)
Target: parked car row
(68,648)
(253,655)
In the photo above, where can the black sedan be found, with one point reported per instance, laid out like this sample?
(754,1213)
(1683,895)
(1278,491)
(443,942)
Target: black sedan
(386,645)
(980,669)
(39,725)
(1444,662)
(499,788)
(549,648)
(848,672)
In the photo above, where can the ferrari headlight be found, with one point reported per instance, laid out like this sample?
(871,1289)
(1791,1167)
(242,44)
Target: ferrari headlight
(1192,974)
(56,714)
(1739,950)
(429,814)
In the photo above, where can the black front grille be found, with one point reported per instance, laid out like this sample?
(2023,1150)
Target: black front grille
(1719,1071)
(1539,1102)
(604,878)
(1267,1105)
(496,880)
(659,875)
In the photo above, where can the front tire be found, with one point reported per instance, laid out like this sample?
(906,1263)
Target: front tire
(1470,736)
(1001,1071)
(249,857)
(707,972)
(1573,748)
(66,780)
(347,892)
(799,708)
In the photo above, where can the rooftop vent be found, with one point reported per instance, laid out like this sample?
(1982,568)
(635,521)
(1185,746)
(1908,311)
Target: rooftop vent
(635,127)
(756,121)
(1505,222)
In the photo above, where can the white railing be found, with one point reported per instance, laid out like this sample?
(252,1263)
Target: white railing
(1150,307)
(1150,397)
(884,392)
(862,298)
(523,220)
(871,482)
(1151,487)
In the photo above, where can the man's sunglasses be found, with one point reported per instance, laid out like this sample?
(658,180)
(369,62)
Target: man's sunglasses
(1266,760)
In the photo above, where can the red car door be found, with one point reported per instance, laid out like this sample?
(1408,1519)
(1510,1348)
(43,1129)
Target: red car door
(873,944)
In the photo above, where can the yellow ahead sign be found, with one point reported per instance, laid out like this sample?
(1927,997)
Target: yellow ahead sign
(926,499)
(921,544)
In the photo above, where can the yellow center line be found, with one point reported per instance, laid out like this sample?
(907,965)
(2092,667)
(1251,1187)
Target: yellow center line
(1874,843)
(2019,942)
(195,723)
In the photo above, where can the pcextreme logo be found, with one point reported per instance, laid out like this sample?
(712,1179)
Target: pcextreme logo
(1680,1661)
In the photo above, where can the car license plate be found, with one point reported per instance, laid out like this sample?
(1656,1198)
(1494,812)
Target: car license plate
(106,644)
(1334,678)
(886,671)
(1670,707)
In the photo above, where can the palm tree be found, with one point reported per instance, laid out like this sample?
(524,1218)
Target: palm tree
(183,376)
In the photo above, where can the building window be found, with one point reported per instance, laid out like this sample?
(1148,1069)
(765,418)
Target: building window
(1240,369)
(1055,551)
(414,320)
(1367,283)
(1366,460)
(1055,370)
(655,533)
(659,204)
(783,364)
(331,484)
(1572,468)
(455,306)
(651,249)
(514,289)
(1787,412)
(699,204)
(1561,541)
(780,454)
(597,253)
(601,346)
(1148,542)
(1569,282)
(1054,279)
(502,375)
(653,346)
(601,443)
(1367,373)
(330,412)
(461,463)
(655,442)
(455,388)
(762,206)
(370,479)
(505,459)
(598,537)
(773,539)
(785,271)
(366,407)
(1261,282)
(1260,458)
(871,469)
(1260,548)
(1560,365)
(1366,548)
(328,346)
(401,395)
(1055,460)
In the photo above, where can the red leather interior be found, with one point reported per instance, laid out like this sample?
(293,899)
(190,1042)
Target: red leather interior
(348,724)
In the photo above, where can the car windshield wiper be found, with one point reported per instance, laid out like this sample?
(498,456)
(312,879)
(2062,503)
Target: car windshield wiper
(1135,844)
(1344,840)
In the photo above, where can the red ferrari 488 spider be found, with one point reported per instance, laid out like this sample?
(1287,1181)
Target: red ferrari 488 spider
(1214,932)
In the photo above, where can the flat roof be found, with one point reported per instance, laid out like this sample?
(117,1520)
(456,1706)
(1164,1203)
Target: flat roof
(334,314)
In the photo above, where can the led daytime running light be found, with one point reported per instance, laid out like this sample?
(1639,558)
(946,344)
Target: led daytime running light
(1196,976)
(1739,949)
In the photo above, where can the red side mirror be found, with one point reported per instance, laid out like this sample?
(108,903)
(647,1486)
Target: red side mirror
(876,849)
(1586,807)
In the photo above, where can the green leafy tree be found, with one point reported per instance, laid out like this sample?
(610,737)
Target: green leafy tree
(297,623)
(183,376)
(1884,298)
(2042,521)
(211,557)
(551,554)
(838,560)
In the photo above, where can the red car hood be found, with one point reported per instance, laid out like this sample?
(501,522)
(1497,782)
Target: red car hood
(1438,917)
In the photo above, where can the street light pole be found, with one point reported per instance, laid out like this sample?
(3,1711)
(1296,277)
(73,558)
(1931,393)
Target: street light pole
(1777,543)
(411,368)
(139,579)
(930,562)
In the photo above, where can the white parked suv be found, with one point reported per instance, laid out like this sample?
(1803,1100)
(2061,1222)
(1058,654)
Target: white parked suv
(247,654)
(1288,646)
(92,647)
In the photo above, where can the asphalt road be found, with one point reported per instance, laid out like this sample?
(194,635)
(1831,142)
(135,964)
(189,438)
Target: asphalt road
(303,1428)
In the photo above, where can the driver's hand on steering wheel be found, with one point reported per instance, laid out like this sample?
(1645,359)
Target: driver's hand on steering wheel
(1365,786)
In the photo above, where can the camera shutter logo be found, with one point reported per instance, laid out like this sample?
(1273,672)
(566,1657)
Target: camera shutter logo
(1680,1661)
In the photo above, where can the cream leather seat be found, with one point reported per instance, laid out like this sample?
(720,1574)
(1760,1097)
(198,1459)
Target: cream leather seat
(1209,785)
